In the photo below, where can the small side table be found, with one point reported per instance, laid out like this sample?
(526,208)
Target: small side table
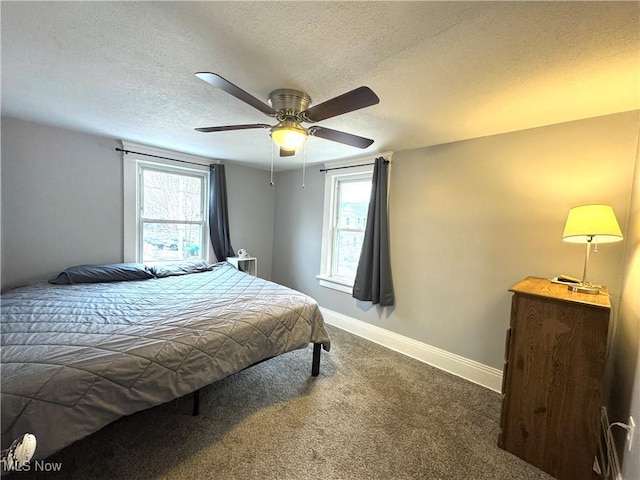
(248,265)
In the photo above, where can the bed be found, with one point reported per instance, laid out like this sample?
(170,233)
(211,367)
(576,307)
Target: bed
(75,357)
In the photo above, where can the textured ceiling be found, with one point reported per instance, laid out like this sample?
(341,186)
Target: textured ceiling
(444,71)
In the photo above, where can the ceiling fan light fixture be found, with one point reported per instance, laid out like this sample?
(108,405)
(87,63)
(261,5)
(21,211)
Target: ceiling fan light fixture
(288,135)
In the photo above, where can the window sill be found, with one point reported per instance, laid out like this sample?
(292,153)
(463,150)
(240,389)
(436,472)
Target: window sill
(335,284)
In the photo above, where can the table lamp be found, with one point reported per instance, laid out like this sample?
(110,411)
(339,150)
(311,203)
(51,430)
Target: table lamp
(590,224)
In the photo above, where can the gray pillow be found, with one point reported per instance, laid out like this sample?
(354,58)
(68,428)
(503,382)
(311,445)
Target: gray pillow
(184,268)
(117,272)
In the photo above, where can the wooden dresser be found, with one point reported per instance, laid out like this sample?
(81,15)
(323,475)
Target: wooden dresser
(553,378)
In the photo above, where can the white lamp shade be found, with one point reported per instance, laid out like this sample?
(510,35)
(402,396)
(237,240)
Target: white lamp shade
(288,135)
(592,223)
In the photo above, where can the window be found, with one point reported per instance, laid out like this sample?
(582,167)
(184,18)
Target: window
(165,207)
(347,195)
(172,214)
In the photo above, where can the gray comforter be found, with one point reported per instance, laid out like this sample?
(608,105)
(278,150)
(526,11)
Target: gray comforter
(77,357)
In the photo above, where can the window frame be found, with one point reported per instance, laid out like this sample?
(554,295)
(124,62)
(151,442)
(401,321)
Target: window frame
(333,179)
(142,219)
(133,164)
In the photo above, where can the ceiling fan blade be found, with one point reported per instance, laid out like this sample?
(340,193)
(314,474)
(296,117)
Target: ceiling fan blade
(287,153)
(225,85)
(356,99)
(232,127)
(340,137)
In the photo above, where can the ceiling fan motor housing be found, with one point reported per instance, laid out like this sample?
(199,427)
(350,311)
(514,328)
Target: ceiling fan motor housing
(289,103)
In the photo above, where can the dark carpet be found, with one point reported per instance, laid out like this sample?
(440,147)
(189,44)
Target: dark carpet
(371,414)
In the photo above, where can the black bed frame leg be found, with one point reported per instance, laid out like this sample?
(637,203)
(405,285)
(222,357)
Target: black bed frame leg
(196,403)
(315,366)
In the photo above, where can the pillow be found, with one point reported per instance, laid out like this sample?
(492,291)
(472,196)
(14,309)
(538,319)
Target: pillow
(117,272)
(172,269)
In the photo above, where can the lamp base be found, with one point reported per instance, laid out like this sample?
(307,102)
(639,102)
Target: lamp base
(585,288)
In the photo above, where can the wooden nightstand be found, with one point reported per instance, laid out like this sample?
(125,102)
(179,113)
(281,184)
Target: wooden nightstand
(553,380)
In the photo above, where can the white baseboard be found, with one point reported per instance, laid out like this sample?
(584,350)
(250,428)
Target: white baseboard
(471,370)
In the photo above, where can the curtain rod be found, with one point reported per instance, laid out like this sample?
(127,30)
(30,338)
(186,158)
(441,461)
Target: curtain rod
(352,166)
(164,158)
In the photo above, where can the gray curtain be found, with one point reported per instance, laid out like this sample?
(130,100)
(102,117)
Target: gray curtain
(218,214)
(373,281)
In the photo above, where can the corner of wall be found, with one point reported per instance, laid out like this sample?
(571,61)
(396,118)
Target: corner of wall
(625,377)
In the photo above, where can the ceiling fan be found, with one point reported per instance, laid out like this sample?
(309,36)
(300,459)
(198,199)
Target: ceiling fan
(291,109)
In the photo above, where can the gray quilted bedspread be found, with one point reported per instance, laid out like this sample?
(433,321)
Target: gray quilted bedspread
(77,357)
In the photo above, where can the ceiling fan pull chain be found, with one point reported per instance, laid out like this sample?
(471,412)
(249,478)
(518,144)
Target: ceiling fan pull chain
(304,161)
(272,147)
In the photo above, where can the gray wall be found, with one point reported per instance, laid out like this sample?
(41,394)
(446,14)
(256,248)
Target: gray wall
(62,203)
(251,198)
(468,220)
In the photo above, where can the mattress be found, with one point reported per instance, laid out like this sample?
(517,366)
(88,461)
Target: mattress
(77,357)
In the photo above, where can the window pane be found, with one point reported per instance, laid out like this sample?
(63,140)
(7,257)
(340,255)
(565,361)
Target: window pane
(170,196)
(347,253)
(353,205)
(171,241)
